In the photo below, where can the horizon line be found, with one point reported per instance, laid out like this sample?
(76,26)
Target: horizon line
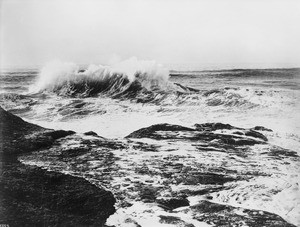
(171,71)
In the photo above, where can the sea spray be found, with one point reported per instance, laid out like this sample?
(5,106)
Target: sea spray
(54,73)
(130,75)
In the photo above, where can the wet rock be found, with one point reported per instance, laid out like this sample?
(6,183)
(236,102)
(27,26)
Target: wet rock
(173,203)
(226,215)
(148,194)
(202,133)
(59,134)
(255,134)
(261,128)
(238,133)
(226,139)
(79,105)
(91,133)
(213,126)
(172,220)
(187,89)
(74,152)
(220,126)
(12,125)
(213,91)
(149,132)
(18,136)
(279,152)
(31,196)
(132,222)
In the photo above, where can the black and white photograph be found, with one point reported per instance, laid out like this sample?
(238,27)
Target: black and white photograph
(150,113)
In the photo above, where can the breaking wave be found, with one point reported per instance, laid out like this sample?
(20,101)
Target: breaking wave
(125,79)
(142,82)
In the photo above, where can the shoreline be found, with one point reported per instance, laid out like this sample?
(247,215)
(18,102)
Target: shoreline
(33,196)
(138,190)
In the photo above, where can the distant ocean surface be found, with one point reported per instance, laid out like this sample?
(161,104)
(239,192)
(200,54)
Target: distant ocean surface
(115,102)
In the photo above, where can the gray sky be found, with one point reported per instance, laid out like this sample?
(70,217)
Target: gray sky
(181,34)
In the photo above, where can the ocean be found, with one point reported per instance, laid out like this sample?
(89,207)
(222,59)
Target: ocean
(115,101)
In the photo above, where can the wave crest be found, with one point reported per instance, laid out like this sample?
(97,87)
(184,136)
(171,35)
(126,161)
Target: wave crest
(126,78)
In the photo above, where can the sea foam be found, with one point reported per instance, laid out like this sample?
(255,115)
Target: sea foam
(69,79)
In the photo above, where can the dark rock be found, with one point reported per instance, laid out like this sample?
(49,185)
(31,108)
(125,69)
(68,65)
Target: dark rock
(276,151)
(73,152)
(209,197)
(31,196)
(18,136)
(148,193)
(213,91)
(187,89)
(261,128)
(91,133)
(256,135)
(213,126)
(12,125)
(226,139)
(149,131)
(238,133)
(203,132)
(132,222)
(173,203)
(79,105)
(217,126)
(59,134)
(226,215)
(172,220)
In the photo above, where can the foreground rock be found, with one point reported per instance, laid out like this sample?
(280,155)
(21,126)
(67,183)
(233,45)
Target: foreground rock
(226,215)
(227,134)
(31,196)
(161,172)
(19,136)
(169,174)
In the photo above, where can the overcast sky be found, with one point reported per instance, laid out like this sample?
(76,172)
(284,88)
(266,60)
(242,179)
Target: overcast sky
(189,34)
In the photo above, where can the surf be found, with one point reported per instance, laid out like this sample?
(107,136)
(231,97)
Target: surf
(129,77)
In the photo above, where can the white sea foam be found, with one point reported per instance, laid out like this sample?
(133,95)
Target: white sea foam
(148,215)
(54,73)
(58,74)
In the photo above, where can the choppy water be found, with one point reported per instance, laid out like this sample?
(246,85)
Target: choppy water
(239,97)
(114,104)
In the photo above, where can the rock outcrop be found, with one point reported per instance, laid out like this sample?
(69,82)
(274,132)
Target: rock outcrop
(183,176)
(31,196)
(208,132)
(226,215)
(19,136)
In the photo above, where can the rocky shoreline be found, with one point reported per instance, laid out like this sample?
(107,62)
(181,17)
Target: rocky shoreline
(167,173)
(32,196)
